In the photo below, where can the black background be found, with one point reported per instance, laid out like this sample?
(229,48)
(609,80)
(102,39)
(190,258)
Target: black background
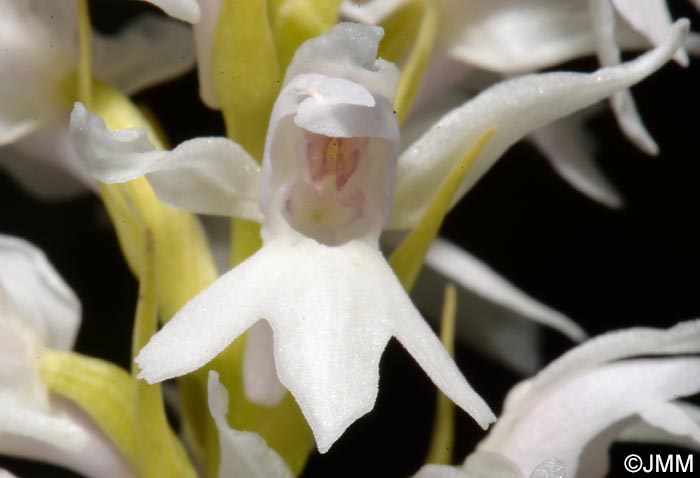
(606,269)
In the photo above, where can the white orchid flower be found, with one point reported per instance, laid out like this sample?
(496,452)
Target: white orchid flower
(319,280)
(39,70)
(37,310)
(574,409)
(505,38)
(323,195)
(585,398)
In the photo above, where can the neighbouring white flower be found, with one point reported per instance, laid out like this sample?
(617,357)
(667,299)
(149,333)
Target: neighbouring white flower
(323,195)
(203,14)
(37,310)
(502,37)
(595,394)
(507,39)
(38,65)
(243,454)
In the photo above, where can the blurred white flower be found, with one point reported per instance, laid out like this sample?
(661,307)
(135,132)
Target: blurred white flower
(506,38)
(203,14)
(38,310)
(593,395)
(323,195)
(38,64)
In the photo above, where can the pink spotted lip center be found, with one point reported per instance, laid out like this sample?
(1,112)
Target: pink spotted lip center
(326,200)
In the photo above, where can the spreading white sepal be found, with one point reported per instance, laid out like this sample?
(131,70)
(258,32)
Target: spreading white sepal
(517,108)
(148,51)
(38,294)
(470,273)
(204,175)
(332,310)
(243,454)
(571,152)
(185,10)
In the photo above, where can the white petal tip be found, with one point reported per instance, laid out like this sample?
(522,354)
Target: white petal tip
(185,10)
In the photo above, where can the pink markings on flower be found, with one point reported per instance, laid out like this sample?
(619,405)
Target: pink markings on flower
(327,202)
(332,157)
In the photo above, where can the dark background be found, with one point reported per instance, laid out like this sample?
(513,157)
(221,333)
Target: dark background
(606,269)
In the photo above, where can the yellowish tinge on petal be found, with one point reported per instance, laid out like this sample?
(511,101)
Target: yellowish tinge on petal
(417,61)
(399,31)
(442,441)
(409,39)
(295,21)
(160,451)
(407,259)
(245,71)
(103,390)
